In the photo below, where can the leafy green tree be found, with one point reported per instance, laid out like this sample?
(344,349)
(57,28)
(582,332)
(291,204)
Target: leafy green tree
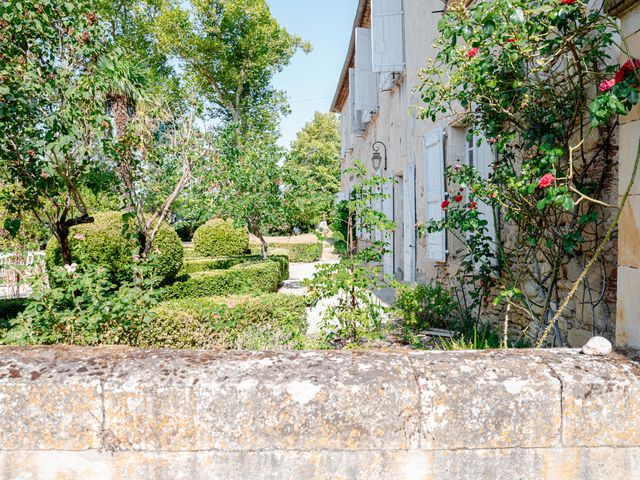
(353,312)
(51,114)
(248,179)
(233,49)
(313,166)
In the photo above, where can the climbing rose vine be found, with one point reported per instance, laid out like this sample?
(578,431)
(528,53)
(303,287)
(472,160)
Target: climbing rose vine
(537,82)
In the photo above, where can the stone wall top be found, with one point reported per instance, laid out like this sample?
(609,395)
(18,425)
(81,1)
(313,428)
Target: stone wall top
(120,399)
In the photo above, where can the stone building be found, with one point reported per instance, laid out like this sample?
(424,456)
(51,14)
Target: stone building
(376,98)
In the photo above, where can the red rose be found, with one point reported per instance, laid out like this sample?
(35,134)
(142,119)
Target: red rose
(627,69)
(472,205)
(445,204)
(568,2)
(473,52)
(511,40)
(606,85)
(458,198)
(546,181)
(492,140)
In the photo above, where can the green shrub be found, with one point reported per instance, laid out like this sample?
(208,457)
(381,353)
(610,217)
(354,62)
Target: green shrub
(82,308)
(193,265)
(340,227)
(255,277)
(9,310)
(266,322)
(426,306)
(109,242)
(219,238)
(297,252)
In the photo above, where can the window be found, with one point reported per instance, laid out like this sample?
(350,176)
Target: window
(365,80)
(482,157)
(435,192)
(388,37)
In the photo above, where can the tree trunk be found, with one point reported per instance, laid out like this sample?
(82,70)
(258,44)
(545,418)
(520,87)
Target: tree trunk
(263,246)
(62,232)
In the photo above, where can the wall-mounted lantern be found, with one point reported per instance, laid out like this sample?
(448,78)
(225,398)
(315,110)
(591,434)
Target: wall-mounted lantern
(376,158)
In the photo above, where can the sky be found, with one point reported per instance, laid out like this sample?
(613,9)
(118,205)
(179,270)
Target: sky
(311,79)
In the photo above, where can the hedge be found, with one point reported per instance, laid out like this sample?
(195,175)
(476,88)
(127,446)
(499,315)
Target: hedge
(219,238)
(103,243)
(193,265)
(9,309)
(266,322)
(297,252)
(255,277)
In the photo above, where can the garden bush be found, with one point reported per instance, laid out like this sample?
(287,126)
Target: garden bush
(109,242)
(255,277)
(219,238)
(297,252)
(426,306)
(83,307)
(193,265)
(266,322)
(9,310)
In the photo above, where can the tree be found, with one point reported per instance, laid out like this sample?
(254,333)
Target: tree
(51,116)
(247,181)
(232,49)
(353,312)
(313,166)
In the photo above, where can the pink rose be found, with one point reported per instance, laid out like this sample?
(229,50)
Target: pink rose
(546,181)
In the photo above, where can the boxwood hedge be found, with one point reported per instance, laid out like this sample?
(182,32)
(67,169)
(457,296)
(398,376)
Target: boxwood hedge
(219,238)
(104,243)
(193,265)
(252,277)
(265,322)
(297,252)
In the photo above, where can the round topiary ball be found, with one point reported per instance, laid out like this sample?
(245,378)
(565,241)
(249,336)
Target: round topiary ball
(110,242)
(219,238)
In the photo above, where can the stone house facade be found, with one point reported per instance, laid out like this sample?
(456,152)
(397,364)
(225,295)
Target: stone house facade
(377,100)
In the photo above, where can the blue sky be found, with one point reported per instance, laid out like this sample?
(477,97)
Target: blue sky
(310,80)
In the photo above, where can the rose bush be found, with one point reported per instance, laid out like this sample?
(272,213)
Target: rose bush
(524,76)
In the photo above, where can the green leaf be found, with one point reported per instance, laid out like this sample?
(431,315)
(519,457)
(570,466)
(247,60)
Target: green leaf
(568,204)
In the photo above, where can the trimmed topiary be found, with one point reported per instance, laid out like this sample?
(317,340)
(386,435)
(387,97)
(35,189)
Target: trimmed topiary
(297,252)
(219,238)
(246,278)
(193,265)
(266,322)
(110,243)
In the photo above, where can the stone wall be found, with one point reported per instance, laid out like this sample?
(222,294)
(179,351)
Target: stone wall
(110,413)
(628,312)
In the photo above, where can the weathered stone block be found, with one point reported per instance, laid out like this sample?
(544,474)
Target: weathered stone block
(629,138)
(51,398)
(498,409)
(628,308)
(174,400)
(629,232)
(600,399)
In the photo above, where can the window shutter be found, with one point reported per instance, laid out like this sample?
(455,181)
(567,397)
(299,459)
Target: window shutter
(354,121)
(387,209)
(366,81)
(435,193)
(485,156)
(343,138)
(388,35)
(409,204)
